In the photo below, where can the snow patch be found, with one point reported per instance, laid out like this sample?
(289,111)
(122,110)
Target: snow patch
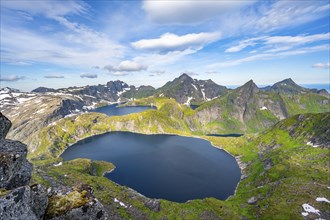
(53,123)
(120,203)
(90,107)
(263,108)
(21,100)
(203,93)
(58,164)
(161,95)
(3,96)
(188,101)
(90,96)
(121,92)
(322,199)
(70,115)
(311,144)
(308,208)
(194,86)
(304,213)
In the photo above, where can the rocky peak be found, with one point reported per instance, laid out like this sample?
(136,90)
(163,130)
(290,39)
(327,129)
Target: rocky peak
(287,86)
(287,81)
(185,76)
(249,88)
(117,85)
(43,90)
(185,89)
(7,90)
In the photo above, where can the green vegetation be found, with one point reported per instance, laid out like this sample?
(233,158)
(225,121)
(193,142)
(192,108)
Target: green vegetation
(298,174)
(282,171)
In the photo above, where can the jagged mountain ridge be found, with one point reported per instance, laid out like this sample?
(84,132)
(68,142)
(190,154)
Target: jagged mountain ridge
(244,109)
(112,91)
(187,90)
(250,109)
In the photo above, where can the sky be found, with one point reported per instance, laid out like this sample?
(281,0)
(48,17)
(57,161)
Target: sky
(66,43)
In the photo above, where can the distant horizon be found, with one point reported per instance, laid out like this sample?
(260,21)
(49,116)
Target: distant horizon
(59,43)
(317,86)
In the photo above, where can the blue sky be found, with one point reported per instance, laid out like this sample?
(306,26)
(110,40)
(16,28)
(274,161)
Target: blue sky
(73,43)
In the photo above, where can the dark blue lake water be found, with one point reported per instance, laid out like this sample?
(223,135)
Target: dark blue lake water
(163,166)
(111,110)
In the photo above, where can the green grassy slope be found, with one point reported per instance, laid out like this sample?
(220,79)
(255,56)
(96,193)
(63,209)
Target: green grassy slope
(282,171)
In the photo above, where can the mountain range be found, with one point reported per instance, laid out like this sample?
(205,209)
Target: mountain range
(246,109)
(283,154)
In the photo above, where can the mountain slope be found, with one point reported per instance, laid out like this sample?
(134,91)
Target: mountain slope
(186,90)
(250,109)
(281,170)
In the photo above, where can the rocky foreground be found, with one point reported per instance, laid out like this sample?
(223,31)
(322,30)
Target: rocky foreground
(21,199)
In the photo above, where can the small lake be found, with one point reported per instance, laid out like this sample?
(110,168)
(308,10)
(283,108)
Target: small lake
(193,107)
(112,110)
(169,167)
(225,135)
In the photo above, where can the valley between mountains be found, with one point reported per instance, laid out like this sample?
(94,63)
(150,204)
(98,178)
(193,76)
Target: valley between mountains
(283,154)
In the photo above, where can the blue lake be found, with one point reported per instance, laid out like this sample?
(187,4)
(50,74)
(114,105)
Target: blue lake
(111,110)
(163,166)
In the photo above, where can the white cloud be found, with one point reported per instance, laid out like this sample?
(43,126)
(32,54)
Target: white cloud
(290,13)
(172,42)
(243,44)
(297,40)
(48,8)
(54,76)
(11,78)
(188,11)
(279,43)
(268,56)
(321,65)
(268,16)
(88,75)
(74,44)
(119,73)
(156,60)
(157,72)
(126,66)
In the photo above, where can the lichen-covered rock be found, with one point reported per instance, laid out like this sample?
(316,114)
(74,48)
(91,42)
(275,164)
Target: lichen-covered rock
(24,202)
(5,125)
(15,170)
(78,203)
(153,204)
(253,200)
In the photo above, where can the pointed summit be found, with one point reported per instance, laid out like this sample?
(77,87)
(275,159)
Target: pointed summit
(249,86)
(287,86)
(187,90)
(184,76)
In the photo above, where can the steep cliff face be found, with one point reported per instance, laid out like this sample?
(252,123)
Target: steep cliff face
(250,109)
(29,116)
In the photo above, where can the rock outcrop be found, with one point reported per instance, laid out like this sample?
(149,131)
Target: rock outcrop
(5,125)
(77,203)
(25,202)
(19,200)
(15,170)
